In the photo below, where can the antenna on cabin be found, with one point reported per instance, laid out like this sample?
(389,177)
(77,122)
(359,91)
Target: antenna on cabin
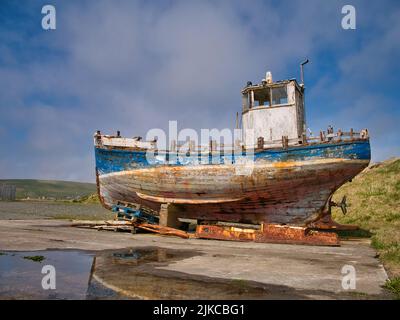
(304,102)
(302,71)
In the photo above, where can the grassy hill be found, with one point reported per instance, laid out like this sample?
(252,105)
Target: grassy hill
(50,189)
(374,204)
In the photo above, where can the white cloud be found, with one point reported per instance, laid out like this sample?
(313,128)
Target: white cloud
(136,65)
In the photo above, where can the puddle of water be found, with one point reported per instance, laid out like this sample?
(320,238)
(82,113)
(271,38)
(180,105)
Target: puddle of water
(21,277)
(136,273)
(21,272)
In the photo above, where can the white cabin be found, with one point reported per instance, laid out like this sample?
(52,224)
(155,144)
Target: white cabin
(274,111)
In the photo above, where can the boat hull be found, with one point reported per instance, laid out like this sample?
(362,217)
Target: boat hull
(291,186)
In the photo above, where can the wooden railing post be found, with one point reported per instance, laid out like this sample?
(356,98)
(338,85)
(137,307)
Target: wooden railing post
(260,143)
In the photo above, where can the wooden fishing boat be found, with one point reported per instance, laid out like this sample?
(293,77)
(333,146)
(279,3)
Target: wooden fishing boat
(273,173)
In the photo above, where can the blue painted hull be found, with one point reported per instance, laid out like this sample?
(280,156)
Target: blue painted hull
(115,160)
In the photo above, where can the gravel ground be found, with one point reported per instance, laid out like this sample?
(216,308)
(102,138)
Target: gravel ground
(18,210)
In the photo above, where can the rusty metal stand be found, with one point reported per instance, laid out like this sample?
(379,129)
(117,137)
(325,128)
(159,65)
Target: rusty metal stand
(272,233)
(131,217)
(268,233)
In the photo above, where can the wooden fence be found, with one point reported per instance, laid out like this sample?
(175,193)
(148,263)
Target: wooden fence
(7,192)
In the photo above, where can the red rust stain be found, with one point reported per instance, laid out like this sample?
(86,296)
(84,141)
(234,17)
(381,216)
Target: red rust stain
(269,233)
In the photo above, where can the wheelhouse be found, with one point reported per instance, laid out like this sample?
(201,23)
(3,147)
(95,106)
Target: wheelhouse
(273,111)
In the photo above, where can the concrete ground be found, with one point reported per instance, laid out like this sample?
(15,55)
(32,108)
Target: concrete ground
(298,271)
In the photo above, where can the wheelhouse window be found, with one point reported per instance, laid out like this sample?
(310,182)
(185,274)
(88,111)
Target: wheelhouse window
(262,98)
(265,97)
(279,95)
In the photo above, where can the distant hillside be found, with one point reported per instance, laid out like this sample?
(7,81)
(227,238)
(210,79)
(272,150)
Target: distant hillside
(50,189)
(374,205)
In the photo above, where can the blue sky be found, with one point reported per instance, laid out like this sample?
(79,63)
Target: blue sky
(134,65)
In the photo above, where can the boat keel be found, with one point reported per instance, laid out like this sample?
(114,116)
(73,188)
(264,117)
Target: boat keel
(327,223)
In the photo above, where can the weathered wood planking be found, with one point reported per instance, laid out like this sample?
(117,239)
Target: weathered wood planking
(286,186)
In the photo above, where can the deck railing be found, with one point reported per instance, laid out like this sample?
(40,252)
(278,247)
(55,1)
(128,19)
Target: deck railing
(328,136)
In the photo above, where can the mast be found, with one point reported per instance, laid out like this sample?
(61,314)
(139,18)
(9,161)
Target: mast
(304,97)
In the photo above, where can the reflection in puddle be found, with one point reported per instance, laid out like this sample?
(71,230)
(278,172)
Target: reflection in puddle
(115,274)
(142,274)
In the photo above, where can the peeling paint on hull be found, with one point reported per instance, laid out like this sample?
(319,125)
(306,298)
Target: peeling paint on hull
(288,186)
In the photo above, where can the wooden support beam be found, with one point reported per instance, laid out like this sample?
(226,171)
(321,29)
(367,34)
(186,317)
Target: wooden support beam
(169,216)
